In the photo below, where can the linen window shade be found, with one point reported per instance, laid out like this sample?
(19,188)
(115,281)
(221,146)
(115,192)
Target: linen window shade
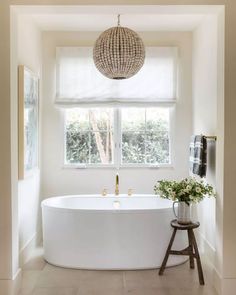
(80,84)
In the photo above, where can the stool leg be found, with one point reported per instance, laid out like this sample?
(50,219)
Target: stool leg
(161,271)
(190,241)
(199,265)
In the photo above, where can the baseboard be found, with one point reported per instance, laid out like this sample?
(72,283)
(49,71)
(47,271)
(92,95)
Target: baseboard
(11,287)
(209,253)
(26,252)
(224,286)
(208,250)
(217,281)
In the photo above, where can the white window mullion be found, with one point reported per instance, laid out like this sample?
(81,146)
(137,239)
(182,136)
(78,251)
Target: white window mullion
(90,134)
(145,138)
(119,150)
(171,134)
(64,139)
(116,138)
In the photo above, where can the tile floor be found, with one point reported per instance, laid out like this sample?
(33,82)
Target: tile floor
(41,278)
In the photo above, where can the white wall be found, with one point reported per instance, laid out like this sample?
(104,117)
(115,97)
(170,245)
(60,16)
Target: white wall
(226,120)
(28,54)
(205,115)
(59,181)
(9,267)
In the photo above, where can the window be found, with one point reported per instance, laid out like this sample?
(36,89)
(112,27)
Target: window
(117,137)
(116,122)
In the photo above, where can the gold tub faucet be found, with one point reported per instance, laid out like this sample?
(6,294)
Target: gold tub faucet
(117,185)
(130,192)
(104,192)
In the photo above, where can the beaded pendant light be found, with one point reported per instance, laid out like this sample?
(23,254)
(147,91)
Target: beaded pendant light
(119,52)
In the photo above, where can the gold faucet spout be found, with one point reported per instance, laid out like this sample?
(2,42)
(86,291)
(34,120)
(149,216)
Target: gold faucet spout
(117,185)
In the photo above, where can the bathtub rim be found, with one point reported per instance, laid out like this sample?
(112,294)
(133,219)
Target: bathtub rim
(110,210)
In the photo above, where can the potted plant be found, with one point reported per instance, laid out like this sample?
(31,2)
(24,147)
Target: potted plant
(184,193)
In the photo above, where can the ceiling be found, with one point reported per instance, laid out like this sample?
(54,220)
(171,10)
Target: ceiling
(99,18)
(141,22)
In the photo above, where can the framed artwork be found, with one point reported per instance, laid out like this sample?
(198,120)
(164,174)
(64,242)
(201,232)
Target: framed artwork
(28,116)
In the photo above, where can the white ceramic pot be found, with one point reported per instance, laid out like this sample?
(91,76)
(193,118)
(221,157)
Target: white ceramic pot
(183,214)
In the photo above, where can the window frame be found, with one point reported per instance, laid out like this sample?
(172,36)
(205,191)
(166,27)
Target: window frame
(117,153)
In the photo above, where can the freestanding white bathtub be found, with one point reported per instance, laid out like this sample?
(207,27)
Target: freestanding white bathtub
(95,232)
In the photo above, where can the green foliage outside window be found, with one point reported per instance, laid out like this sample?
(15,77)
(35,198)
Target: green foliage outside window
(93,143)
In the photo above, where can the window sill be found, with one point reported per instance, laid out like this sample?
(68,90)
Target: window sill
(113,167)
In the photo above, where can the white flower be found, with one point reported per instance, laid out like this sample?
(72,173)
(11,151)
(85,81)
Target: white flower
(169,190)
(188,187)
(198,190)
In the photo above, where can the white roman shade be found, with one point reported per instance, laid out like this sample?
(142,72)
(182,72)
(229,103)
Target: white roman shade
(80,84)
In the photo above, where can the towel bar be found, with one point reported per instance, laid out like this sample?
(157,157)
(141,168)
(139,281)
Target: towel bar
(213,137)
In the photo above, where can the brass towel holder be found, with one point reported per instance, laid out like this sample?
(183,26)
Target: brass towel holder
(212,137)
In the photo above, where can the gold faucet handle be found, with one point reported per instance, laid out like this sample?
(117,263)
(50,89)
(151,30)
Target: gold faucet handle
(130,192)
(104,192)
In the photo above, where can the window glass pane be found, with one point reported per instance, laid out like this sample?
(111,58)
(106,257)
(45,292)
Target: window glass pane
(145,136)
(133,147)
(101,119)
(101,148)
(77,145)
(157,119)
(77,118)
(157,147)
(89,136)
(133,119)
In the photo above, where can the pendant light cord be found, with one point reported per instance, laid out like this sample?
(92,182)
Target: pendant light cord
(118,16)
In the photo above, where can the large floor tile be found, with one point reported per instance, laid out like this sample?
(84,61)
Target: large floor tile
(29,280)
(142,278)
(37,262)
(25,292)
(149,291)
(58,278)
(201,290)
(50,267)
(95,280)
(41,278)
(55,291)
(101,290)
(80,278)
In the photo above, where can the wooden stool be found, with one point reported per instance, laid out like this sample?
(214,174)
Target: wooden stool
(191,250)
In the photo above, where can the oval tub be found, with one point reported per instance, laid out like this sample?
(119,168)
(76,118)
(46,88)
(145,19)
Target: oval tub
(95,232)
